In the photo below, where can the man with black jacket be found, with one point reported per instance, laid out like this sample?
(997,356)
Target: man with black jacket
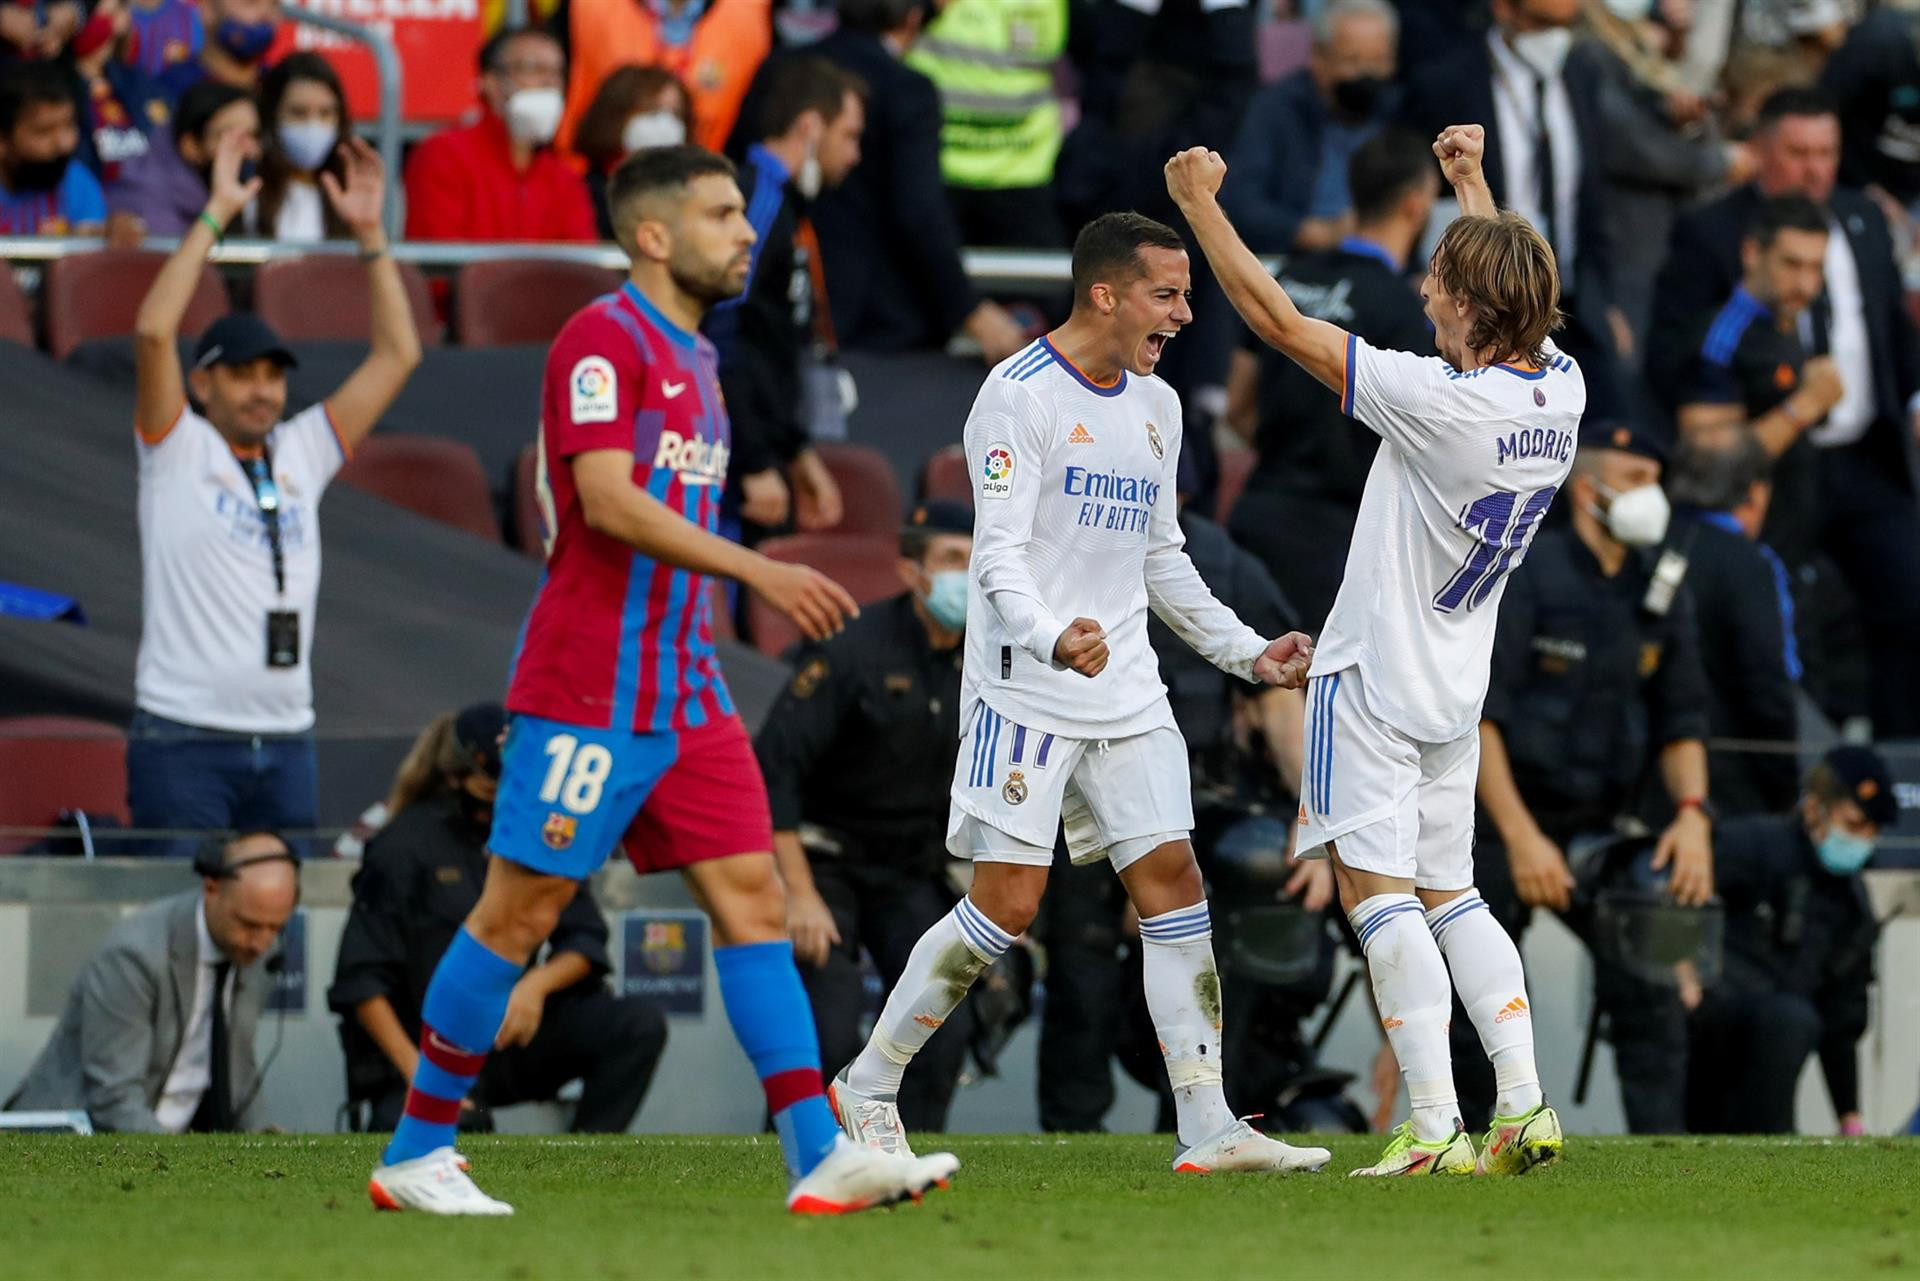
(1799,953)
(1299,506)
(1871,525)
(420,878)
(858,750)
(776,340)
(1744,606)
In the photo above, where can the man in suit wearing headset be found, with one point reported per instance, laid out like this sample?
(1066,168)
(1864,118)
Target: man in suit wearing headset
(157,1033)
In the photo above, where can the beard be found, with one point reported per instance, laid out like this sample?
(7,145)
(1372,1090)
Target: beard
(705,281)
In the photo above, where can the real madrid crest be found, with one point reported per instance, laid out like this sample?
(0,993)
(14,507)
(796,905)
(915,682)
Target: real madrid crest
(1153,439)
(1015,791)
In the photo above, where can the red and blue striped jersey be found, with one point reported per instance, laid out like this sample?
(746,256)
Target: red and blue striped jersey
(166,35)
(617,639)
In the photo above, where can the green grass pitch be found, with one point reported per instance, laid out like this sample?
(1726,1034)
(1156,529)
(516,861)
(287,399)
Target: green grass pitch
(666,1208)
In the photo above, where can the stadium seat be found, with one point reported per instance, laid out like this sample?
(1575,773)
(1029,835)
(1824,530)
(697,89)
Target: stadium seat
(523,300)
(867,566)
(947,475)
(1235,466)
(527,532)
(16,317)
(54,763)
(320,297)
(98,294)
(438,478)
(869,491)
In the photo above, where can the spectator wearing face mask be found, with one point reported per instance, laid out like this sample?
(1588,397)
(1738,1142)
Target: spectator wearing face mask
(303,112)
(712,46)
(500,179)
(233,39)
(1799,953)
(165,191)
(636,109)
(43,192)
(1291,157)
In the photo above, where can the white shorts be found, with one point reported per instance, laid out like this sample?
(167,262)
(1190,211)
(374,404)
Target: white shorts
(1120,799)
(1396,806)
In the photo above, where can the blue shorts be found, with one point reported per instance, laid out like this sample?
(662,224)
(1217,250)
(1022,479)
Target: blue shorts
(569,796)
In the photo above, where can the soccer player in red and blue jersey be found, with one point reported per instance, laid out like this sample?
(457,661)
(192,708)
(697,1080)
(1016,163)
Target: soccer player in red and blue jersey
(623,732)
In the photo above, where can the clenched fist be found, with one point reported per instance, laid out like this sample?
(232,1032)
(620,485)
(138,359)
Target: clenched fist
(1082,647)
(1195,174)
(1285,661)
(1460,149)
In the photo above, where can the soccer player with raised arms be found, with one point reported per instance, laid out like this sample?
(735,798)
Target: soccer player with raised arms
(1076,446)
(623,733)
(1474,444)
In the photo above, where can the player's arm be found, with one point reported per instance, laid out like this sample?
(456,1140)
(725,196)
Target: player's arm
(160,388)
(613,505)
(395,352)
(1193,180)
(1006,438)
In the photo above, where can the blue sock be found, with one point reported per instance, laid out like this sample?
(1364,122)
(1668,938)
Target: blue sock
(773,1022)
(459,1019)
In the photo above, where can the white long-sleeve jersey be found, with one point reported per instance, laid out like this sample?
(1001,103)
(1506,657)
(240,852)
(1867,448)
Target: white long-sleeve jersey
(1076,518)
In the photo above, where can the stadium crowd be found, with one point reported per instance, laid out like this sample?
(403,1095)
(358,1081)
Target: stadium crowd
(1731,189)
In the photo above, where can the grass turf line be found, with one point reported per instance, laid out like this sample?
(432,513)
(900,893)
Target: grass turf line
(671,1207)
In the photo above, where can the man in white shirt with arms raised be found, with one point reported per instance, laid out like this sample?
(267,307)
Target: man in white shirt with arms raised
(1474,445)
(1076,447)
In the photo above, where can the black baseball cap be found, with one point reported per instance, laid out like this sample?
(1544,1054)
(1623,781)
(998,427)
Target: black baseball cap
(478,729)
(240,338)
(943,516)
(1864,777)
(1622,435)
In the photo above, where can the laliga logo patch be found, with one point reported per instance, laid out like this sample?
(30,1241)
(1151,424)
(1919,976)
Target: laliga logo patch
(1015,792)
(558,831)
(996,473)
(592,393)
(1153,441)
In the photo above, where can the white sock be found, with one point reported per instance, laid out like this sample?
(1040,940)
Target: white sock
(944,963)
(1493,986)
(1183,995)
(1415,1001)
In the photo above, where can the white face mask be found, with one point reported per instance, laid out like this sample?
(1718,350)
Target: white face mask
(533,115)
(1637,518)
(307,143)
(1630,10)
(652,129)
(1545,51)
(811,177)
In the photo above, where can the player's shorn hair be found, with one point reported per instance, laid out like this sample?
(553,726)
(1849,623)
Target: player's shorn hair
(655,171)
(1505,270)
(1107,250)
(1784,213)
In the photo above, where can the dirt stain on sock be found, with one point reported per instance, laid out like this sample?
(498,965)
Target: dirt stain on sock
(958,967)
(1206,988)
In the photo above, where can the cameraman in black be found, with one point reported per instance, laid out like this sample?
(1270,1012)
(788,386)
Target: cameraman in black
(420,877)
(1596,678)
(857,753)
(1799,953)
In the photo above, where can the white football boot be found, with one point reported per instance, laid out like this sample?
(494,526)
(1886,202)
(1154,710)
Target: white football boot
(861,1178)
(436,1183)
(870,1122)
(1241,1147)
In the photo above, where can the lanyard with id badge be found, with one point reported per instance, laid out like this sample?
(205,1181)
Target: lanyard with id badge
(283,625)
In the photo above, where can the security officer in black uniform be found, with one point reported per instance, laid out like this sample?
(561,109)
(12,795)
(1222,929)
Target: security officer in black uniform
(1596,678)
(1095,1012)
(418,881)
(1799,953)
(858,754)
(1298,510)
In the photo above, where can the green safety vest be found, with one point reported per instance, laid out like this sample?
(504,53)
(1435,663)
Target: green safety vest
(992,61)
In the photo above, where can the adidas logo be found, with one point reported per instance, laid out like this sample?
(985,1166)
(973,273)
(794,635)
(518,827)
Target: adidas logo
(1080,435)
(1514,1009)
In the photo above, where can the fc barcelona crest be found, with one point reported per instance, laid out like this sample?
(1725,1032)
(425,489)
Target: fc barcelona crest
(1015,792)
(558,831)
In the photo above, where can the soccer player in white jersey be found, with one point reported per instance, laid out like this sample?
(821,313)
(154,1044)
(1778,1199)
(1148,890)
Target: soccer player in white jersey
(1474,444)
(1075,447)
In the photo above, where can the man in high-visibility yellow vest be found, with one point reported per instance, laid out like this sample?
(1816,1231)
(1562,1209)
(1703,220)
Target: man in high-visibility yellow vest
(993,61)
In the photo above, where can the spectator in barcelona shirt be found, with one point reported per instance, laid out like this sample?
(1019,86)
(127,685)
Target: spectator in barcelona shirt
(166,190)
(500,179)
(233,38)
(44,191)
